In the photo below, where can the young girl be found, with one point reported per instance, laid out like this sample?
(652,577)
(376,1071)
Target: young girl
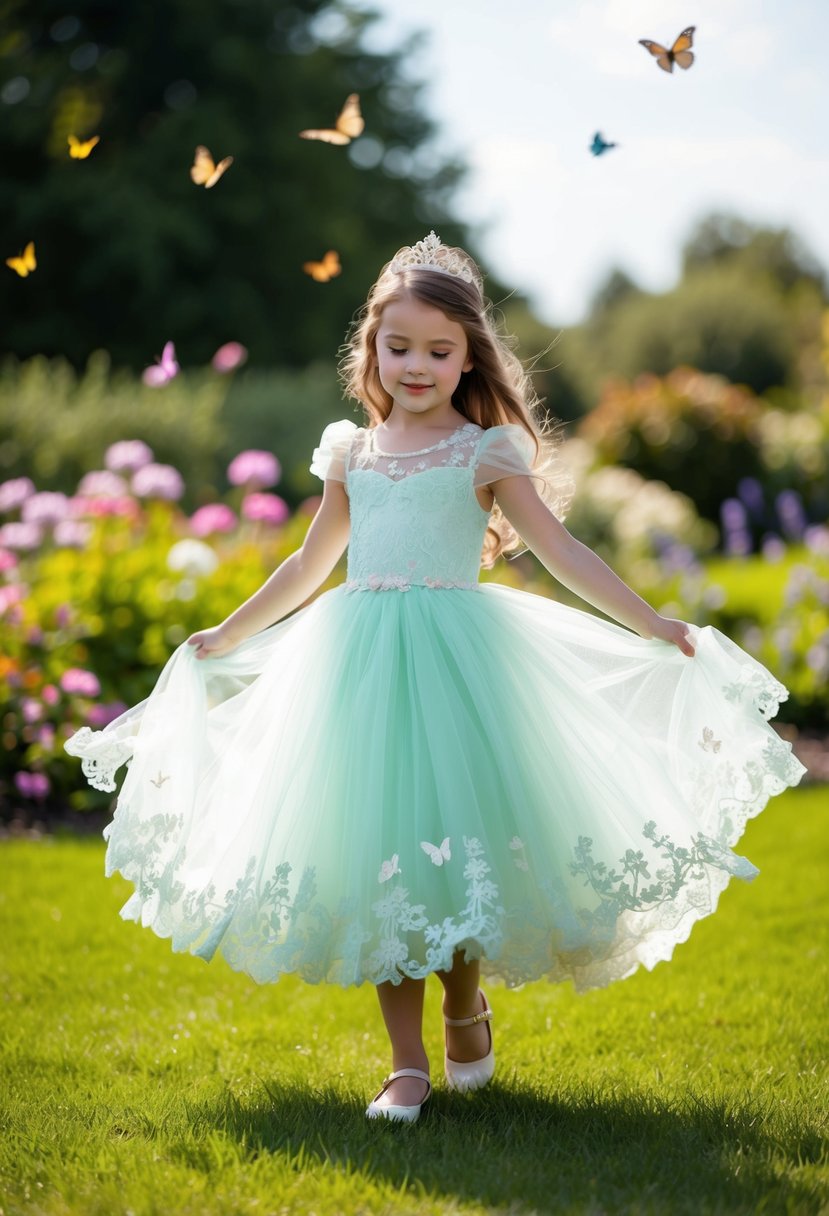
(419,772)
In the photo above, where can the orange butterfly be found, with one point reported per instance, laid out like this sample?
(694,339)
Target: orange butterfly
(679,52)
(25,263)
(79,149)
(327,269)
(204,172)
(348,126)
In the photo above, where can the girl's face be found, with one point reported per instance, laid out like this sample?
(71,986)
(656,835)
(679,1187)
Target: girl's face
(421,356)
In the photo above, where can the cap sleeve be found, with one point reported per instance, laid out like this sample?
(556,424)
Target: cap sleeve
(504,451)
(330,459)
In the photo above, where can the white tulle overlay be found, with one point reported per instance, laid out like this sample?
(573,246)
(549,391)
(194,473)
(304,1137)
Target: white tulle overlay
(435,764)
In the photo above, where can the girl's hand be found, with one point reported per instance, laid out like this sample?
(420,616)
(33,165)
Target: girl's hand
(211,643)
(677,632)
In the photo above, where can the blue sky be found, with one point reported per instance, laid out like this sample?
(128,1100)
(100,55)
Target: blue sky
(519,89)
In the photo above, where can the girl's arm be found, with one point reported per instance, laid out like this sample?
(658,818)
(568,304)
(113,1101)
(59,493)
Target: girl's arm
(578,567)
(292,583)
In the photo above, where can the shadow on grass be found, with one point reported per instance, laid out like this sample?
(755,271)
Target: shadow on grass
(548,1151)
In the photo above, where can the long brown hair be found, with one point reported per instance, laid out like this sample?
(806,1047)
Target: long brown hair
(497,391)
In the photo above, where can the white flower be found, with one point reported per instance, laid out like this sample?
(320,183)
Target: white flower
(192,557)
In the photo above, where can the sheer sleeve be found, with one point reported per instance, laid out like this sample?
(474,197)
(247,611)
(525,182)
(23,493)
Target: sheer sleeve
(330,459)
(509,451)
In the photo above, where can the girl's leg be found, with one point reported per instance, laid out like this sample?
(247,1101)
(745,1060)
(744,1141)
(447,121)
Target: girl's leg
(402,1008)
(461,1000)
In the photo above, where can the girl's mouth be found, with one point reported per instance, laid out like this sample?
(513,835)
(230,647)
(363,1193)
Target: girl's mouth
(416,388)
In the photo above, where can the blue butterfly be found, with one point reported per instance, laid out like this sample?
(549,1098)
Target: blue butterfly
(600,145)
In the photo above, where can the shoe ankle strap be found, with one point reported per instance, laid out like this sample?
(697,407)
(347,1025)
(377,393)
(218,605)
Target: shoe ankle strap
(485,1015)
(408,1072)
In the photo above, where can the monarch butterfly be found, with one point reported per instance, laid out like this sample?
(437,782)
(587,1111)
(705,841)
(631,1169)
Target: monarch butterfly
(600,145)
(327,269)
(79,149)
(348,126)
(25,263)
(679,52)
(204,172)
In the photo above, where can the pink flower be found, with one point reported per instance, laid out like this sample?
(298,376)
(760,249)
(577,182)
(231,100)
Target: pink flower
(21,535)
(15,492)
(158,481)
(50,694)
(44,508)
(80,682)
(32,785)
(128,455)
(230,356)
(8,560)
(32,709)
(254,468)
(72,533)
(101,715)
(164,370)
(46,735)
(269,508)
(213,517)
(121,506)
(102,483)
(11,596)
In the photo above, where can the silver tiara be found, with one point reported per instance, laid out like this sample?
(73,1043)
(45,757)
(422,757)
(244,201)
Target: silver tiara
(432,254)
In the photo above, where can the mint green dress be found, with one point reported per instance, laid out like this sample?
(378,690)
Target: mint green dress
(418,763)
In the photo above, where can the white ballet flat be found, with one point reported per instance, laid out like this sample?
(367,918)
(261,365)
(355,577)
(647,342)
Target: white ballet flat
(399,1114)
(476,1073)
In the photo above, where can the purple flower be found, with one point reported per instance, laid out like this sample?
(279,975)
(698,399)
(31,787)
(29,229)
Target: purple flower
(32,785)
(214,517)
(269,508)
(102,483)
(750,493)
(21,535)
(254,468)
(127,456)
(71,534)
(8,560)
(80,682)
(158,481)
(816,538)
(45,508)
(790,510)
(101,715)
(774,549)
(228,357)
(733,515)
(46,735)
(15,492)
(737,543)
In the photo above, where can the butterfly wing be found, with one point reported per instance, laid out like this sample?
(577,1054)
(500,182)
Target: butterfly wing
(660,53)
(684,59)
(222,166)
(203,166)
(445,850)
(683,42)
(350,121)
(168,360)
(80,149)
(323,271)
(25,262)
(327,135)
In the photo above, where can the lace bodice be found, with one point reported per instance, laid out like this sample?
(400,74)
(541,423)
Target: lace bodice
(415,517)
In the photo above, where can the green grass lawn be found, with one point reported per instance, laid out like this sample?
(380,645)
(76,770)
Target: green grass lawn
(139,1081)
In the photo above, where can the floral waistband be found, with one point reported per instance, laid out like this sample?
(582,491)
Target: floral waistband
(399,582)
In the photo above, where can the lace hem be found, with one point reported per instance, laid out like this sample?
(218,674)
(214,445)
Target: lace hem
(100,756)
(758,688)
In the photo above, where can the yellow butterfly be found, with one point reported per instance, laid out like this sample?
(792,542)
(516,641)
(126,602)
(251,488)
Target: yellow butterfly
(348,126)
(25,263)
(327,269)
(679,52)
(80,149)
(204,172)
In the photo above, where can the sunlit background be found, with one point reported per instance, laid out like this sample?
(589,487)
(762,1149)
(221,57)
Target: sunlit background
(168,351)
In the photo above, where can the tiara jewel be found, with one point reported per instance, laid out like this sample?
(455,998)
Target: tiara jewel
(432,254)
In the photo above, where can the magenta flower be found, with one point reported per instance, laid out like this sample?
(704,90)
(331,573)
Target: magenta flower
(269,508)
(255,469)
(80,682)
(50,694)
(158,481)
(102,483)
(101,715)
(32,785)
(45,508)
(228,357)
(127,456)
(15,492)
(214,517)
(31,709)
(21,536)
(72,533)
(8,560)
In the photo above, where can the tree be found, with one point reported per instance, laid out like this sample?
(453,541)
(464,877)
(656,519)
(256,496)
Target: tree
(132,253)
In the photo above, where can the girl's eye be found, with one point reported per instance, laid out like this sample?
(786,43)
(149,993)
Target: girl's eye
(441,354)
(397,351)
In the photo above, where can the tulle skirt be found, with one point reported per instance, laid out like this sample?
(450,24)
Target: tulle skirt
(387,777)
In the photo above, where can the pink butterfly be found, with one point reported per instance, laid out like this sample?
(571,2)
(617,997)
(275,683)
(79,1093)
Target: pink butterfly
(164,370)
